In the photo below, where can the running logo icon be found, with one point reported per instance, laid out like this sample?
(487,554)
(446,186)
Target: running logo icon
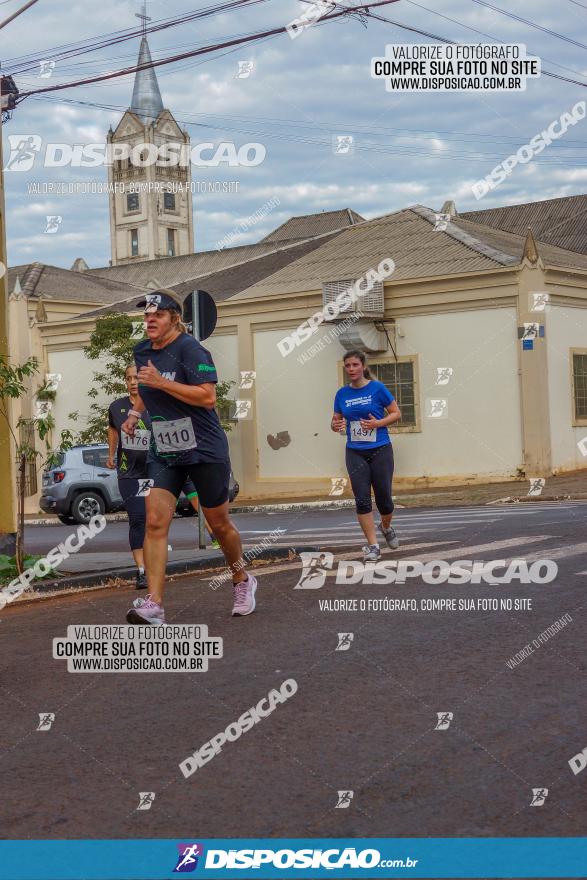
(444,719)
(441,222)
(146,799)
(145,487)
(343,144)
(245,69)
(437,408)
(189,854)
(536,485)
(316,565)
(46,68)
(344,800)
(53,223)
(539,795)
(338,485)
(344,641)
(247,379)
(46,720)
(443,375)
(23,151)
(538,301)
(243,409)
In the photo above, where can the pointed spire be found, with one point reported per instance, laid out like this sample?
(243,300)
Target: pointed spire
(530,250)
(449,207)
(146,97)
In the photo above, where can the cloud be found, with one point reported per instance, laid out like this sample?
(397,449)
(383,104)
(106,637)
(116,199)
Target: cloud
(408,148)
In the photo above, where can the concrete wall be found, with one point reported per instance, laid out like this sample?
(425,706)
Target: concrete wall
(72,394)
(481,437)
(566,328)
(224,351)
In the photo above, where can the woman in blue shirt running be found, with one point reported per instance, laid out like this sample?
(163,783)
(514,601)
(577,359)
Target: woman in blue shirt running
(363,410)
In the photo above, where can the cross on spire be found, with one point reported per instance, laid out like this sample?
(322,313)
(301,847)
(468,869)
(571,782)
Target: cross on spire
(143,17)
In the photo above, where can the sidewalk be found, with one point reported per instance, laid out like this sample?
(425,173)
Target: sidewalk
(571,486)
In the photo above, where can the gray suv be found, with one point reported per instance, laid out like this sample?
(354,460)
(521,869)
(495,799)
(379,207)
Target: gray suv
(80,486)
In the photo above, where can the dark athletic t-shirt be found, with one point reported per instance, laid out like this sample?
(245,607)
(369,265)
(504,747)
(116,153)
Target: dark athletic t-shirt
(181,433)
(131,455)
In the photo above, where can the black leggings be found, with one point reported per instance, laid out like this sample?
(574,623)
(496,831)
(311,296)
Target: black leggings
(371,467)
(135,507)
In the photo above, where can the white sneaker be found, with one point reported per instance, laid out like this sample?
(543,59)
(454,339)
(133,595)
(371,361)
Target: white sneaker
(371,553)
(390,536)
(244,597)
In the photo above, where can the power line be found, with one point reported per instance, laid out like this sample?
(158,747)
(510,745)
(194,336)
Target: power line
(532,24)
(484,34)
(330,126)
(454,42)
(72,50)
(457,153)
(202,51)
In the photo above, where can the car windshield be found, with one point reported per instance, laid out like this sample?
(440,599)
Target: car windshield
(58,459)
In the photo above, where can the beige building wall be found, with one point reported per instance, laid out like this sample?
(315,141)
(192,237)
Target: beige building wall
(72,394)
(224,350)
(482,433)
(480,438)
(296,398)
(566,330)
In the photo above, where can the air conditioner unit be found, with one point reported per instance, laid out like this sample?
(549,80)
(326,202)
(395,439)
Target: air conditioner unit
(369,304)
(365,336)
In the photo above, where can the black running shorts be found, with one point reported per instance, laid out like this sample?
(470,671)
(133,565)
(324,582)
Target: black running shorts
(211,479)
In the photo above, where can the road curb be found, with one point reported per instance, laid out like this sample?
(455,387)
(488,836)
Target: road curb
(341,504)
(523,499)
(301,506)
(185,566)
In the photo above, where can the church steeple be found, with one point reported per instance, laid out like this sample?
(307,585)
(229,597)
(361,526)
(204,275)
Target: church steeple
(150,199)
(146,98)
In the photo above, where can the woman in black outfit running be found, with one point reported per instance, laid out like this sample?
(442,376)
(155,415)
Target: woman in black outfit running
(129,456)
(363,410)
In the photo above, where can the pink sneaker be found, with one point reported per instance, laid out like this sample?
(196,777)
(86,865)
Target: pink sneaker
(146,611)
(244,597)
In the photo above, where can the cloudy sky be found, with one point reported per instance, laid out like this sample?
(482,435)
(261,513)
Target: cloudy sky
(408,148)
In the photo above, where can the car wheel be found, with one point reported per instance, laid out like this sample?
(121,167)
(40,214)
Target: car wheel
(86,505)
(186,511)
(66,520)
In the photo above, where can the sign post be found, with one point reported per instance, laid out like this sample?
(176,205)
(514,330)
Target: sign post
(199,311)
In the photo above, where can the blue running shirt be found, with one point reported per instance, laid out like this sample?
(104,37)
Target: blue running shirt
(355,404)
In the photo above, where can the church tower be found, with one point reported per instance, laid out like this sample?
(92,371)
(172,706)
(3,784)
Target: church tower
(150,199)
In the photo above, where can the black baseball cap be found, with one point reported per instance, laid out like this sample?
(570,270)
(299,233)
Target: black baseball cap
(159,300)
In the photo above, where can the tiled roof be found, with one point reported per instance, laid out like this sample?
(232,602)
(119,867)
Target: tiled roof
(230,281)
(561,222)
(314,224)
(53,282)
(168,271)
(418,250)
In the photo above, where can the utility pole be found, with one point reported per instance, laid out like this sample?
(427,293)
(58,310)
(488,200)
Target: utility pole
(8,95)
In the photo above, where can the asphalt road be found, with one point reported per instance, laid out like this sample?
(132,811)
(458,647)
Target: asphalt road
(363,719)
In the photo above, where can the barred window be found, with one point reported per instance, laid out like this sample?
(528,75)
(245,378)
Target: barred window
(580,385)
(399,379)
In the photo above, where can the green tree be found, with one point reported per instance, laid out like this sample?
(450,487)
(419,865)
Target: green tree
(14,385)
(113,340)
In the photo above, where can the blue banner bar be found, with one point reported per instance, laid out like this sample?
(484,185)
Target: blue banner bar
(302,858)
